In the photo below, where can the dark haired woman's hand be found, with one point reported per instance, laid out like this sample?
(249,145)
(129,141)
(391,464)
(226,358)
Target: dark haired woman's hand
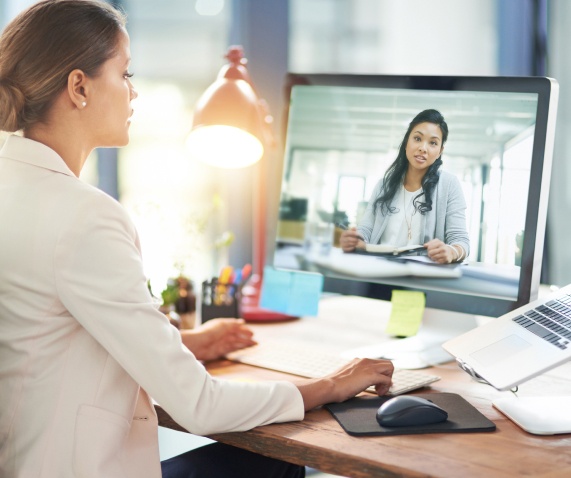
(351,240)
(440,252)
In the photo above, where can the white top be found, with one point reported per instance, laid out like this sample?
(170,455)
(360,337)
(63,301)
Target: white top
(82,344)
(396,232)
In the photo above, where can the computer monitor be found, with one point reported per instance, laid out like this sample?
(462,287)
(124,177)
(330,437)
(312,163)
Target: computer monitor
(344,131)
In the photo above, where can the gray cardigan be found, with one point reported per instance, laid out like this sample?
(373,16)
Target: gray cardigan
(446,221)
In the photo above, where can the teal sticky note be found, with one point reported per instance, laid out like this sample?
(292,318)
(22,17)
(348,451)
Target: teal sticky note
(305,291)
(293,293)
(275,290)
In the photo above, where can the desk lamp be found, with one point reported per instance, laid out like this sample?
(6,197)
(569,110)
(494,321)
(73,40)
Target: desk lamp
(231,128)
(231,125)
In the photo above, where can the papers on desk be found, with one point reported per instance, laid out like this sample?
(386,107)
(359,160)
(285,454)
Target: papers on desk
(497,273)
(393,250)
(378,267)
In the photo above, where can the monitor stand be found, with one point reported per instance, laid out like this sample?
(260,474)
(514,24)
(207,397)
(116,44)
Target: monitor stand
(425,348)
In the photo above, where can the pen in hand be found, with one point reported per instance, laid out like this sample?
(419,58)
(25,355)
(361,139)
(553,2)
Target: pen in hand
(345,228)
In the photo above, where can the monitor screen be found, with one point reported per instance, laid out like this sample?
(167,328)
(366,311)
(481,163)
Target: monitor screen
(490,193)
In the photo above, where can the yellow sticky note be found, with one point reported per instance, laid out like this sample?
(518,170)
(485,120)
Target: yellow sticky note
(406,313)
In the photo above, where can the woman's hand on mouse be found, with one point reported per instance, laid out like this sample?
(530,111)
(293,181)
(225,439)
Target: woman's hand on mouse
(351,240)
(217,337)
(346,382)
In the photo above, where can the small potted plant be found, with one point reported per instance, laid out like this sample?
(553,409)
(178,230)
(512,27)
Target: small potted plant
(179,301)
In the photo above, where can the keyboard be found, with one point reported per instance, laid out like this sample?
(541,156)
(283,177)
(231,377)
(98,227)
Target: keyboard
(298,359)
(550,321)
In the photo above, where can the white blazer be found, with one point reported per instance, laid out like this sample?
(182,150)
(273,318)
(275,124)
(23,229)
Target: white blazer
(82,344)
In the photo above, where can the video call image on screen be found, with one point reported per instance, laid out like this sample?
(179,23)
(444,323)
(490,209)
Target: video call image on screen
(340,142)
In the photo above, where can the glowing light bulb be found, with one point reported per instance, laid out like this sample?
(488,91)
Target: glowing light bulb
(224,146)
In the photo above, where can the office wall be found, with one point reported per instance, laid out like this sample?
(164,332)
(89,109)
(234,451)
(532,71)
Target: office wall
(443,37)
(559,67)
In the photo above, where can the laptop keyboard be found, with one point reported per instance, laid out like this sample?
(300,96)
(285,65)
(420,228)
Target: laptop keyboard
(550,321)
(299,359)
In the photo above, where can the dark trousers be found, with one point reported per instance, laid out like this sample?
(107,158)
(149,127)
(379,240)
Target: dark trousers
(224,461)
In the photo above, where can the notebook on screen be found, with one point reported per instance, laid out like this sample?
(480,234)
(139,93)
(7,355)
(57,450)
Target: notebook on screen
(519,345)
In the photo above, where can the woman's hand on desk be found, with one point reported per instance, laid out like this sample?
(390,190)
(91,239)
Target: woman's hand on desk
(217,337)
(347,382)
(440,252)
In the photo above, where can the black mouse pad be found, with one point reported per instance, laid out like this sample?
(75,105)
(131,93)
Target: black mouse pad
(357,416)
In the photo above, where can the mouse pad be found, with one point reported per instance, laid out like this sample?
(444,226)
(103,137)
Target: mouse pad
(357,416)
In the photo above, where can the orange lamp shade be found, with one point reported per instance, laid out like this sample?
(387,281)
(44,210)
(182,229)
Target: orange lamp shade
(228,124)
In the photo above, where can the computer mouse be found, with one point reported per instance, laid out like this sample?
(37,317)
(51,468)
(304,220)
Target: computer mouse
(408,410)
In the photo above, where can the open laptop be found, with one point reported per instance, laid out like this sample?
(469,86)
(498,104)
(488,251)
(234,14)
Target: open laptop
(519,345)
(516,347)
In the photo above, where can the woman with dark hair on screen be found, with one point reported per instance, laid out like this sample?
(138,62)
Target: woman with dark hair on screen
(83,347)
(416,202)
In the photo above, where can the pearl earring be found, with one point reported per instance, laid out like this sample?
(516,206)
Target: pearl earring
(84,104)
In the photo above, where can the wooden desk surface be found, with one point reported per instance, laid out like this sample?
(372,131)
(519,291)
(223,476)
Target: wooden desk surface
(319,441)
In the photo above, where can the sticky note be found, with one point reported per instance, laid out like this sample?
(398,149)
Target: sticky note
(293,293)
(406,313)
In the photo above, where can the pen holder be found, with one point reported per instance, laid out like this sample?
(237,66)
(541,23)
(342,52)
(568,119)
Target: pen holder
(219,300)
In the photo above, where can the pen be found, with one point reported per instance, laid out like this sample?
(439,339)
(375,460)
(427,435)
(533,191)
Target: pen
(345,228)
(246,270)
(237,277)
(225,274)
(232,278)
(222,291)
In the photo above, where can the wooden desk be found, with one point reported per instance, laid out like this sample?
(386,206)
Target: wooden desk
(319,442)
